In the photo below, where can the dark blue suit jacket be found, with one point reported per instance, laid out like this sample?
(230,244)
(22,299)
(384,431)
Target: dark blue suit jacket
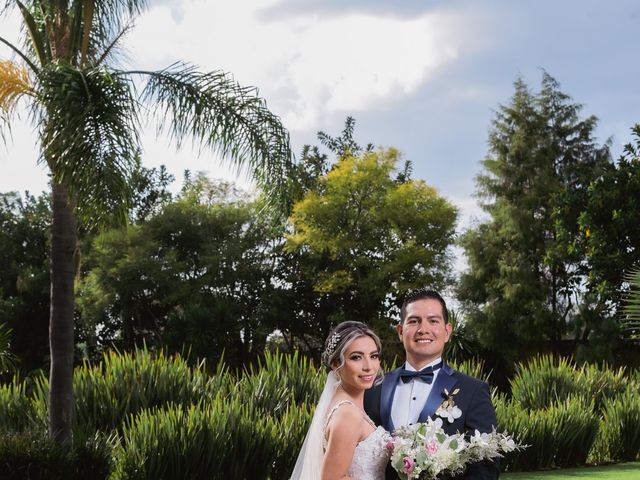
(473,399)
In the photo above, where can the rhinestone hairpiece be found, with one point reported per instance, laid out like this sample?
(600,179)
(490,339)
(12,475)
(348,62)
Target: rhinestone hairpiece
(332,343)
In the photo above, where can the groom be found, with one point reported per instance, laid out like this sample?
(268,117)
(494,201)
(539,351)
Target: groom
(414,392)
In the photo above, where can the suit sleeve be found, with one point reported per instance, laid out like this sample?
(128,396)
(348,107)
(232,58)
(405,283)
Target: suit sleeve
(372,404)
(481,416)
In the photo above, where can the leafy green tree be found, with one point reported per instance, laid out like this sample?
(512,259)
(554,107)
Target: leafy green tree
(195,277)
(370,238)
(24,276)
(150,191)
(297,310)
(522,288)
(607,239)
(87,114)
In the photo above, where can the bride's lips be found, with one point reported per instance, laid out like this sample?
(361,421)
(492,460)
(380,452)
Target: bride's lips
(367,378)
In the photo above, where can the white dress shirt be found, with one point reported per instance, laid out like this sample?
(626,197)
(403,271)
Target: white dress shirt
(409,398)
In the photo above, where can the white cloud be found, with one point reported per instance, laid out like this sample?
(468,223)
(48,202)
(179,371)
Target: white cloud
(309,67)
(306,66)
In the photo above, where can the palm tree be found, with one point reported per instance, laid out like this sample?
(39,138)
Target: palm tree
(87,112)
(8,360)
(631,310)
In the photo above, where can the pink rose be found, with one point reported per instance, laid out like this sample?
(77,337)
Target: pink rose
(408,465)
(432,447)
(389,446)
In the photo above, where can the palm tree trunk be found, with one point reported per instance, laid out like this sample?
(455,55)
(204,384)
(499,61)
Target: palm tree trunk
(63,246)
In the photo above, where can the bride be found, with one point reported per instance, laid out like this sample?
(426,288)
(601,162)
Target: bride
(342,441)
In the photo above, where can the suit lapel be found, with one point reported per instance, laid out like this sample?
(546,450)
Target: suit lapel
(445,380)
(386,398)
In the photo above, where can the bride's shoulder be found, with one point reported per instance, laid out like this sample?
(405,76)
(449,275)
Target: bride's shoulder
(344,411)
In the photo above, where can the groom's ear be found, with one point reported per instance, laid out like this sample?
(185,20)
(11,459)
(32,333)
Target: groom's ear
(399,330)
(449,329)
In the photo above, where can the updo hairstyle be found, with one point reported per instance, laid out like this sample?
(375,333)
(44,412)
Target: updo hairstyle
(339,340)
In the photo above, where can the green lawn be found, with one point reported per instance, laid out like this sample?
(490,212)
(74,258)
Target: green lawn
(620,471)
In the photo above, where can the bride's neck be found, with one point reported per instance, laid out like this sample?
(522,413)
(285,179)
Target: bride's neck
(356,395)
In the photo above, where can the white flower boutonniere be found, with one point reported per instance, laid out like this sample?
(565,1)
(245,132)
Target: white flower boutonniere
(448,409)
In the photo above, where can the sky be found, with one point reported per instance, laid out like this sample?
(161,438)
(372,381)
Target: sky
(423,76)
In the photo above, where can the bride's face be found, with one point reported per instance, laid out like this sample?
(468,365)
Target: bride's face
(361,364)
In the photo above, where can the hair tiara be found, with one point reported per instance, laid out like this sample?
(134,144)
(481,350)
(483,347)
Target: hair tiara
(332,343)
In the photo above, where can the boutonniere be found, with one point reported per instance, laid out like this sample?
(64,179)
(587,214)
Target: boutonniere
(448,409)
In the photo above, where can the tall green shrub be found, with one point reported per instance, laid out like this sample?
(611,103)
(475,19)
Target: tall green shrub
(473,367)
(252,428)
(543,381)
(619,434)
(16,409)
(279,381)
(126,383)
(220,439)
(602,383)
(32,455)
(560,435)
(292,428)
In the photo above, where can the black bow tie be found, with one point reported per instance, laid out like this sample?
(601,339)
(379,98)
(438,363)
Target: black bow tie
(426,374)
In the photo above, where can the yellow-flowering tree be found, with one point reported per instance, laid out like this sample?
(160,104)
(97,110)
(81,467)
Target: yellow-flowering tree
(372,235)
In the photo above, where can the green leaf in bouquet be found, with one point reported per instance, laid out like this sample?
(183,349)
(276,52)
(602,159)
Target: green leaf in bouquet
(453,445)
(398,464)
(422,457)
(441,437)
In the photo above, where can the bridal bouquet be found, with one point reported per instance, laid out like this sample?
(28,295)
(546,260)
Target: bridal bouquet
(422,451)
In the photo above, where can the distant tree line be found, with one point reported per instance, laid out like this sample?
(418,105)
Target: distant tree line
(214,272)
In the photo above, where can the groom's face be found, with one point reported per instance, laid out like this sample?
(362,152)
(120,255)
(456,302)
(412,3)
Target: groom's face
(423,331)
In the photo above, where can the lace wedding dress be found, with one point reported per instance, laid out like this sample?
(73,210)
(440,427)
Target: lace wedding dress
(371,456)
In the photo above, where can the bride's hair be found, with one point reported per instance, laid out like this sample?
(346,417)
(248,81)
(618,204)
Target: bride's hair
(339,340)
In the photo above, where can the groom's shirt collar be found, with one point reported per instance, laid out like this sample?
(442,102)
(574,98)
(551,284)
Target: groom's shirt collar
(411,368)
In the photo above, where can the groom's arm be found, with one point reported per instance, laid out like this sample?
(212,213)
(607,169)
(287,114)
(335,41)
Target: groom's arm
(481,416)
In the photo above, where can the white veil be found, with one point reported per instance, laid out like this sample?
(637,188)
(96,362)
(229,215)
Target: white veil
(309,463)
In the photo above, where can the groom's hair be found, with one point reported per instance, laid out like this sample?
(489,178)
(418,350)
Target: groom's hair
(422,294)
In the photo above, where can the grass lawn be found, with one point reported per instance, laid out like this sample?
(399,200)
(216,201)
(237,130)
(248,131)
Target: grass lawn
(620,471)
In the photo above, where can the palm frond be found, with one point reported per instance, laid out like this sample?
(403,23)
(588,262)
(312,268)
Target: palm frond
(631,309)
(16,50)
(110,19)
(8,360)
(14,83)
(35,29)
(89,138)
(111,47)
(224,117)
(8,4)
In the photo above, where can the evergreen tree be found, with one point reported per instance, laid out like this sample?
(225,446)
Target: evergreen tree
(522,289)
